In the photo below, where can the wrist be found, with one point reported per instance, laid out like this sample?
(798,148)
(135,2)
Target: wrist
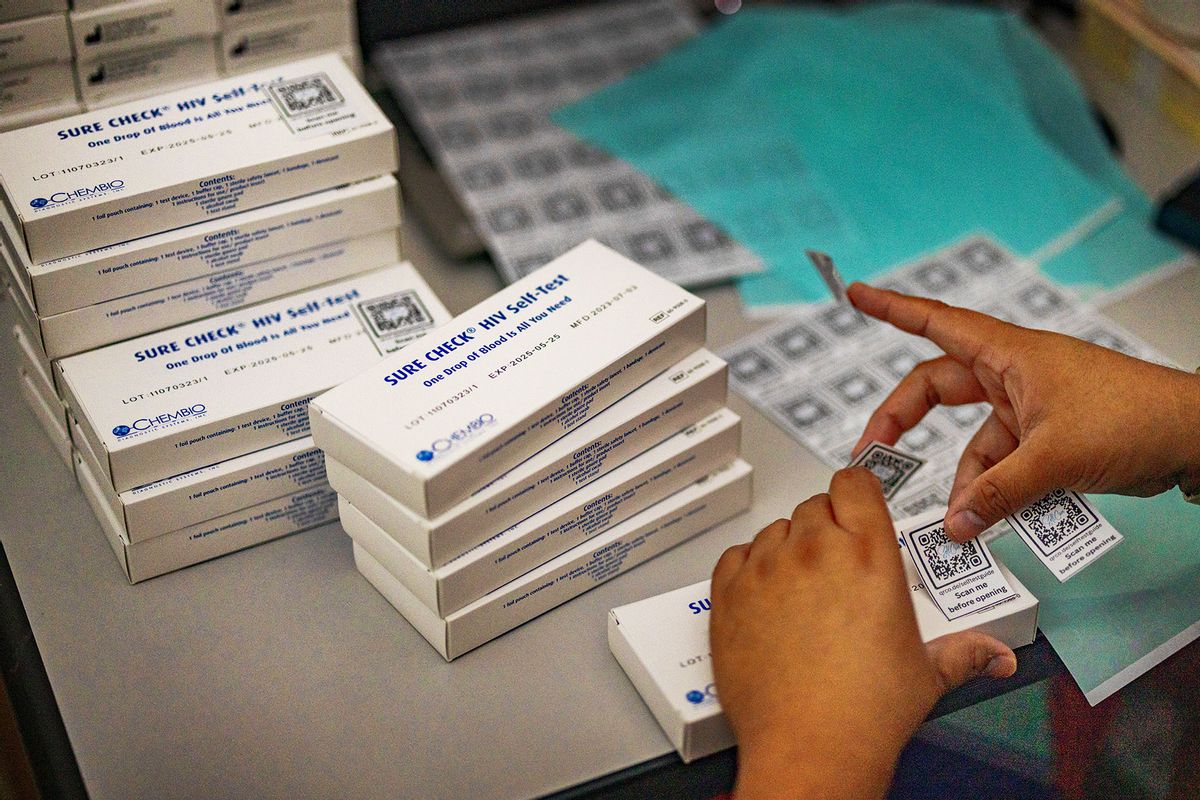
(1188,474)
(793,770)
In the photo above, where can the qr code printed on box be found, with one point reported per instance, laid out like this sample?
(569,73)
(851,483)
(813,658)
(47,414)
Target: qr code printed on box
(305,95)
(1054,521)
(891,467)
(945,560)
(396,315)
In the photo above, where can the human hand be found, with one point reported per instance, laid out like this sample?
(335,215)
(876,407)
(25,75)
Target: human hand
(1065,413)
(819,666)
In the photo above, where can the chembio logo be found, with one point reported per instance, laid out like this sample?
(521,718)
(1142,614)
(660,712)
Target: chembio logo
(456,437)
(146,424)
(82,193)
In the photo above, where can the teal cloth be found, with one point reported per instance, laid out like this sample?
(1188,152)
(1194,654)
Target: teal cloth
(876,135)
(1137,597)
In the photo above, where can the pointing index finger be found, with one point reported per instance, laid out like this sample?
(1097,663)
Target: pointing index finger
(961,333)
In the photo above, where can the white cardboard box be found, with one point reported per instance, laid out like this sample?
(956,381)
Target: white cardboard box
(34,363)
(50,421)
(88,5)
(239,240)
(686,393)
(154,310)
(193,497)
(130,75)
(282,37)
(38,114)
(441,418)
(235,13)
(137,24)
(192,154)
(26,331)
(683,515)
(28,93)
(662,644)
(19,9)
(217,537)
(219,388)
(27,321)
(630,489)
(34,40)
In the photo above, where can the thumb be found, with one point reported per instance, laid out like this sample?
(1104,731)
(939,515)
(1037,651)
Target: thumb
(1012,483)
(959,657)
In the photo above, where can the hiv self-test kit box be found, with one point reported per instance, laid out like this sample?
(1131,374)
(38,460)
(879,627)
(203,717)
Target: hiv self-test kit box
(214,491)
(41,397)
(19,9)
(48,407)
(633,487)
(685,514)
(34,363)
(28,92)
(128,75)
(125,317)
(250,237)
(47,417)
(282,37)
(32,116)
(184,547)
(138,24)
(442,418)
(192,154)
(222,387)
(662,644)
(35,40)
(687,392)
(27,322)
(235,13)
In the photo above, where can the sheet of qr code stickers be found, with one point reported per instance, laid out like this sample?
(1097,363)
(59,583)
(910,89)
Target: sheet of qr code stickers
(821,371)
(480,99)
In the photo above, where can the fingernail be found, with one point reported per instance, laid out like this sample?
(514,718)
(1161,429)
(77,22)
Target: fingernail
(965,524)
(998,667)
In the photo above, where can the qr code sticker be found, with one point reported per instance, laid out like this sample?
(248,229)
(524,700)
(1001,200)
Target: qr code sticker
(1041,301)
(1103,338)
(936,277)
(395,315)
(855,387)
(900,361)
(981,257)
(805,412)
(798,343)
(843,320)
(934,498)
(750,366)
(1056,520)
(969,416)
(891,467)
(945,560)
(306,95)
(922,439)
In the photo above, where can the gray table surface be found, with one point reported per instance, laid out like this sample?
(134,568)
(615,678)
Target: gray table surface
(279,672)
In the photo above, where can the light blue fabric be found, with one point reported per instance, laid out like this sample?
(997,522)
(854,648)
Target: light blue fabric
(876,135)
(1137,597)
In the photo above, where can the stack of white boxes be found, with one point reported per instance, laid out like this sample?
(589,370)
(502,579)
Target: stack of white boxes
(56,61)
(565,430)
(135,226)
(128,49)
(256,33)
(37,79)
